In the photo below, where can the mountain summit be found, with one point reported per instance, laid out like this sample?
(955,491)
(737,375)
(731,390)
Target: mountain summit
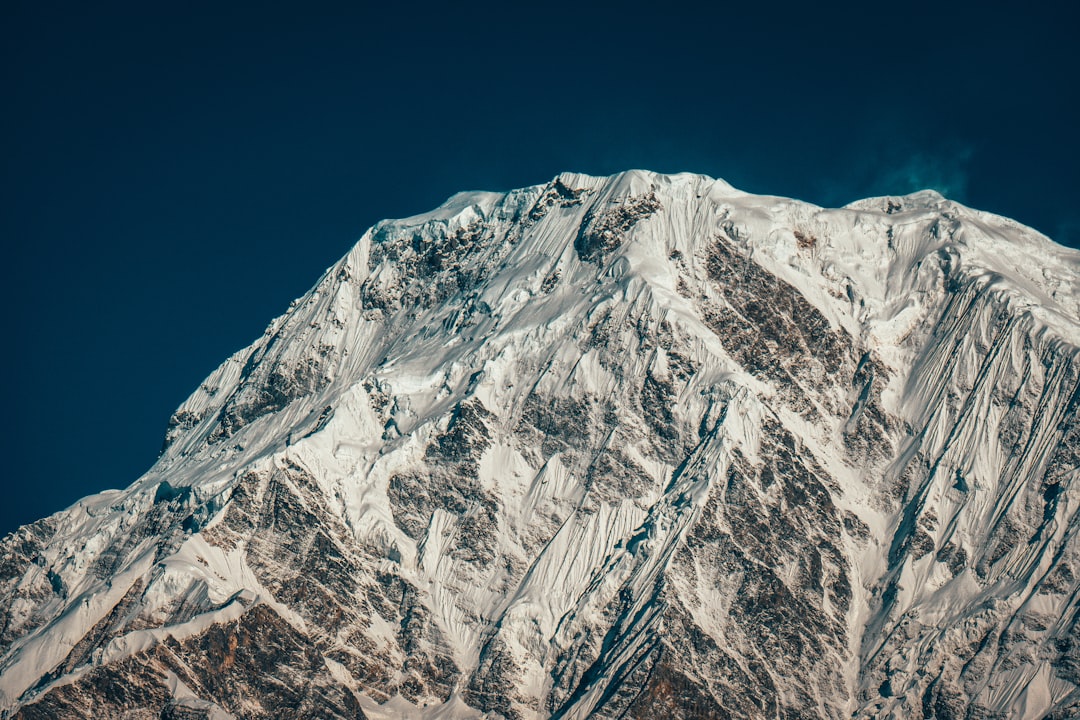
(630,447)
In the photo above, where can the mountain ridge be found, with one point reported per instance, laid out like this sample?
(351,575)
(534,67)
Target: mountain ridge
(601,447)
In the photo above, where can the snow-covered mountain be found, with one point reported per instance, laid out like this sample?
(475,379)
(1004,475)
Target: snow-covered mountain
(638,446)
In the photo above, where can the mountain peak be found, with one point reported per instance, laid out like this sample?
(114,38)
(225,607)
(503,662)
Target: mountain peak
(603,447)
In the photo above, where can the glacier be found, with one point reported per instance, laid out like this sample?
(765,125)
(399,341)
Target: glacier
(612,447)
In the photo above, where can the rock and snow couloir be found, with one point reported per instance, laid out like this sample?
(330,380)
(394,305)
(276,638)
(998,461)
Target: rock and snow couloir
(638,446)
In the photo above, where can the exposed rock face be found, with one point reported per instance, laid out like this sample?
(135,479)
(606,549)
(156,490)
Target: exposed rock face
(631,447)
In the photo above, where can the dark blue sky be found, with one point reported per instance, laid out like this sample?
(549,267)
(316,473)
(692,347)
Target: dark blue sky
(174,173)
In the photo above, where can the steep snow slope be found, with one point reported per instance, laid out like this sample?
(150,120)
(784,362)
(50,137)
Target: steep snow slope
(607,447)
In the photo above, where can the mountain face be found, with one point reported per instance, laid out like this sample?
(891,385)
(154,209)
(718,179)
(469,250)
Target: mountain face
(633,447)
